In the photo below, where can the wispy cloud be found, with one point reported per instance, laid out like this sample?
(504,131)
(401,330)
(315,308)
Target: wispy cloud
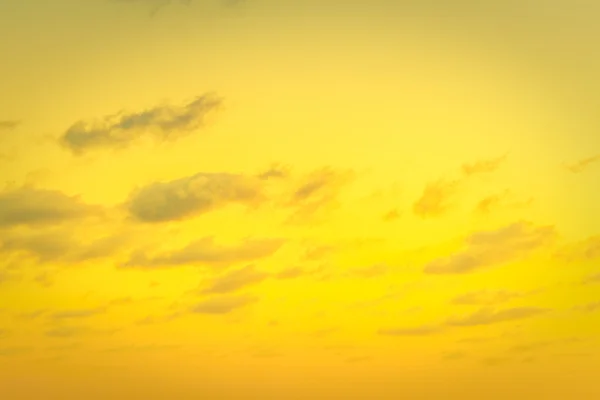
(589,307)
(585,250)
(483,166)
(223,304)
(317,192)
(583,164)
(435,199)
(424,330)
(592,279)
(275,171)
(78,313)
(495,247)
(192,196)
(487,316)
(236,280)
(207,252)
(487,297)
(164,123)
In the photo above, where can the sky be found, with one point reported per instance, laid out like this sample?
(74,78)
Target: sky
(268,199)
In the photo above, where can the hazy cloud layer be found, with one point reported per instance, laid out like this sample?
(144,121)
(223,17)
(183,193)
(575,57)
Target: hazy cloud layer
(164,123)
(206,252)
(223,304)
(29,206)
(581,165)
(490,248)
(193,195)
(235,280)
(487,316)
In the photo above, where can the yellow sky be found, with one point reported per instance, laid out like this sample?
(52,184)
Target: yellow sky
(270,199)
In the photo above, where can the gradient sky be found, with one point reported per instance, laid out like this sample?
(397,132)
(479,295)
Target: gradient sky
(271,199)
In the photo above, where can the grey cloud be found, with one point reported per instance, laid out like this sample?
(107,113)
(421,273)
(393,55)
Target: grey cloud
(486,297)
(164,123)
(487,316)
(494,247)
(192,196)
(205,251)
(9,124)
(45,246)
(223,304)
(236,280)
(28,206)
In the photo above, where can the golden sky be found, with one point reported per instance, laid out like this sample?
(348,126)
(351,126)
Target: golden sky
(270,199)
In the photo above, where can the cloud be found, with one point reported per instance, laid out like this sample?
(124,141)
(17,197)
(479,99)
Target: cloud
(60,245)
(454,355)
(585,250)
(592,279)
(495,247)
(581,165)
(487,316)
(29,206)
(484,166)
(371,271)
(7,125)
(236,280)
(78,313)
(590,307)
(291,273)
(164,123)
(275,171)
(206,251)
(435,198)
(14,351)
(317,192)
(486,297)
(63,332)
(424,330)
(193,195)
(391,215)
(223,304)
